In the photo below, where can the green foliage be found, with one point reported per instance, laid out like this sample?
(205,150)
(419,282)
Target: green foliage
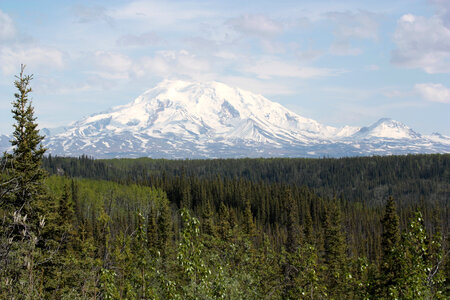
(164,227)
(219,229)
(391,263)
(336,273)
(307,283)
(29,234)
(190,258)
(413,283)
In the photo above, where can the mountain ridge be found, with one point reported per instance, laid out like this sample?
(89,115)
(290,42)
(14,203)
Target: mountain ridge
(182,119)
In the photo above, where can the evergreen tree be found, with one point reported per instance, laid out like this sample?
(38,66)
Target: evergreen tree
(28,210)
(391,257)
(60,234)
(249,223)
(164,227)
(308,230)
(292,243)
(335,260)
(224,223)
(25,161)
(66,218)
(292,226)
(208,227)
(152,230)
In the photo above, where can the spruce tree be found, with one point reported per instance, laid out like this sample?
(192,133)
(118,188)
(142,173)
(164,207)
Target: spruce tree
(164,227)
(152,230)
(390,246)
(335,260)
(224,223)
(27,155)
(29,211)
(292,226)
(292,243)
(249,224)
(208,227)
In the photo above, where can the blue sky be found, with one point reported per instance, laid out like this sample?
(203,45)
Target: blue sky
(338,62)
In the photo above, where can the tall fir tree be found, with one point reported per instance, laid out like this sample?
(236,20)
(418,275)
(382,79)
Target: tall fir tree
(164,227)
(390,269)
(292,243)
(335,259)
(207,219)
(224,223)
(152,230)
(28,208)
(292,225)
(27,155)
(249,223)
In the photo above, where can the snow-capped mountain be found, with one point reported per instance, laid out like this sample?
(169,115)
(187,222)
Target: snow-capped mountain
(387,129)
(179,119)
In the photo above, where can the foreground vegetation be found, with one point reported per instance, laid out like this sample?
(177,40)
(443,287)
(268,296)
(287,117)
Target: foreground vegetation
(226,229)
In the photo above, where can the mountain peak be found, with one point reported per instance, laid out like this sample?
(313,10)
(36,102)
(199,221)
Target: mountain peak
(387,128)
(188,119)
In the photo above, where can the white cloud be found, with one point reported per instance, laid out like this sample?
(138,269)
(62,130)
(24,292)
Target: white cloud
(350,26)
(269,67)
(176,63)
(7,28)
(344,49)
(422,43)
(263,87)
(113,66)
(33,57)
(257,25)
(86,14)
(145,39)
(17,51)
(159,12)
(442,10)
(308,55)
(395,93)
(360,25)
(112,61)
(434,92)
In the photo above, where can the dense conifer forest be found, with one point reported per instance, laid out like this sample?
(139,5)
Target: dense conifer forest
(350,228)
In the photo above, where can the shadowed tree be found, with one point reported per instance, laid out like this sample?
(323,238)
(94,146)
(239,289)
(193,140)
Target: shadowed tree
(390,245)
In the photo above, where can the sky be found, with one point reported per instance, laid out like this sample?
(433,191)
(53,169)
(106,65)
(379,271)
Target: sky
(338,62)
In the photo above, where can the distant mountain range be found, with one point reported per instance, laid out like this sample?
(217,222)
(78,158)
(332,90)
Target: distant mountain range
(179,119)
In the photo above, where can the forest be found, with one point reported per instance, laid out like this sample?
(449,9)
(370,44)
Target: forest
(349,228)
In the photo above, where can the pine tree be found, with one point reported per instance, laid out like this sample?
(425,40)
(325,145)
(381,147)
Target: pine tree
(292,243)
(66,217)
(27,156)
(308,230)
(249,224)
(164,227)
(335,260)
(292,226)
(207,219)
(152,230)
(29,210)
(224,223)
(391,257)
